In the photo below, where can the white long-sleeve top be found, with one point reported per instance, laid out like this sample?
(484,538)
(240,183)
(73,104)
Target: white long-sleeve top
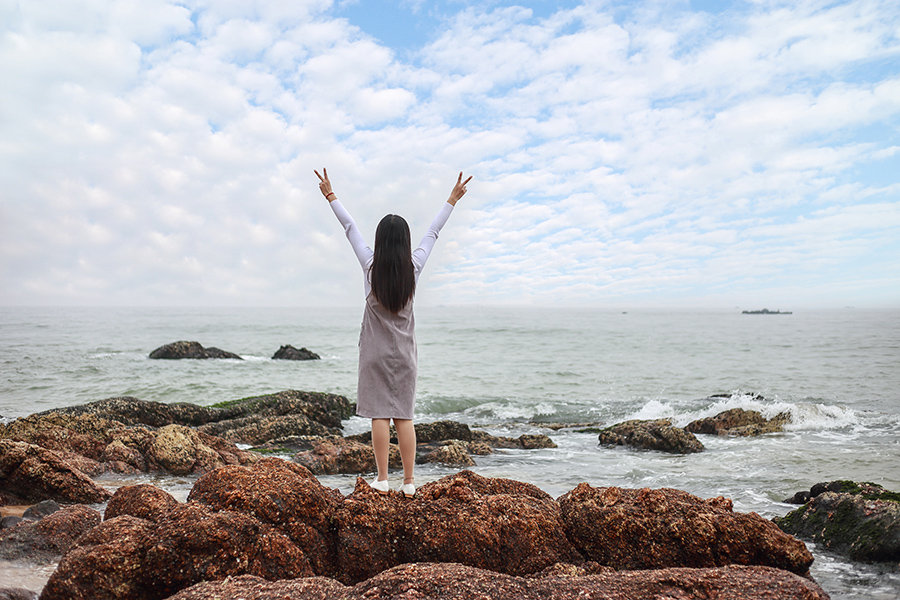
(365,254)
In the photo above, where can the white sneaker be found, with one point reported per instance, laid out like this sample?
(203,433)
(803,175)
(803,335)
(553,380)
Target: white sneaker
(380,486)
(408,490)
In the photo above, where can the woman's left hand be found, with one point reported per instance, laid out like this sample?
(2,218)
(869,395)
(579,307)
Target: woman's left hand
(325,185)
(459,190)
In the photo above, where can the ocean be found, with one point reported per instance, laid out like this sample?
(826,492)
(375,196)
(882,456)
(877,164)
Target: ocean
(507,370)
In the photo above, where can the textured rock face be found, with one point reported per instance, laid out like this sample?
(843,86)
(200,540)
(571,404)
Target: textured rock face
(290,353)
(657,434)
(143,501)
(32,474)
(454,581)
(866,489)
(452,453)
(16,594)
(281,494)
(863,528)
(133,558)
(257,430)
(47,539)
(182,349)
(331,455)
(739,422)
(652,529)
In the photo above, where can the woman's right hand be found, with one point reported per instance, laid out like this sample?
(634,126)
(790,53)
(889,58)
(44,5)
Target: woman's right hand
(325,185)
(459,190)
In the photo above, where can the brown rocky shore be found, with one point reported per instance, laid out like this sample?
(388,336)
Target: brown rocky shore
(263,527)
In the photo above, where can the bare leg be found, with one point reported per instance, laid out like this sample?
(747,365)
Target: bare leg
(406,438)
(381,439)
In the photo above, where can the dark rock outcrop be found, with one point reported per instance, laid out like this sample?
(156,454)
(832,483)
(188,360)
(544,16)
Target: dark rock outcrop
(866,489)
(661,528)
(46,540)
(143,501)
(281,494)
(452,453)
(290,353)
(739,422)
(453,581)
(257,430)
(182,349)
(855,524)
(658,434)
(7,593)
(334,454)
(31,474)
(41,510)
(128,557)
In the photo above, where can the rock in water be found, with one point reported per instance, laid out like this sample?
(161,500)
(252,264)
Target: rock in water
(861,527)
(182,349)
(46,540)
(658,434)
(290,353)
(32,474)
(739,422)
(652,529)
(451,581)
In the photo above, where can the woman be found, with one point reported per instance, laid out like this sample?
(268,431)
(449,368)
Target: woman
(386,387)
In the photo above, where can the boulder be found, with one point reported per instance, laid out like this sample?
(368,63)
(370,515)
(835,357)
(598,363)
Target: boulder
(128,557)
(739,422)
(182,349)
(32,474)
(290,353)
(143,501)
(662,528)
(452,453)
(248,587)
(181,450)
(134,411)
(40,510)
(46,540)
(524,441)
(657,434)
(281,494)
(327,409)
(257,430)
(866,489)
(861,527)
(334,454)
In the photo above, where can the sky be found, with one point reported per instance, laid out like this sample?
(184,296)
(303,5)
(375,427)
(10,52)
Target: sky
(623,154)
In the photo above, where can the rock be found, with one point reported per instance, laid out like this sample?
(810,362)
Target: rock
(739,422)
(657,434)
(525,441)
(661,528)
(182,349)
(33,474)
(256,430)
(46,540)
(181,450)
(143,501)
(327,409)
(331,455)
(498,524)
(290,353)
(16,594)
(863,528)
(534,442)
(281,494)
(128,557)
(10,521)
(133,411)
(452,453)
(40,510)
(248,587)
(868,490)
(437,431)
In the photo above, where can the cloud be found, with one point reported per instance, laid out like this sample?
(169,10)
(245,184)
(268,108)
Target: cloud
(161,152)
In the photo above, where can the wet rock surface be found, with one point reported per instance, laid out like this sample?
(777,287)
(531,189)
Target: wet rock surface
(143,501)
(659,528)
(866,489)
(739,422)
(861,520)
(184,349)
(657,434)
(335,454)
(453,581)
(30,473)
(47,539)
(7,593)
(288,352)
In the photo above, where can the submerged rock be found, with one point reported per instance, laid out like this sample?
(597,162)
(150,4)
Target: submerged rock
(46,540)
(864,526)
(182,349)
(658,434)
(290,353)
(739,422)
(660,528)
(30,473)
(429,581)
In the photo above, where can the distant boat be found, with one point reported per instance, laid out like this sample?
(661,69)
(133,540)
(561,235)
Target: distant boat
(766,311)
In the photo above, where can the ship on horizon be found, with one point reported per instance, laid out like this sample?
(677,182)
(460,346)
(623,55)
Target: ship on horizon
(766,311)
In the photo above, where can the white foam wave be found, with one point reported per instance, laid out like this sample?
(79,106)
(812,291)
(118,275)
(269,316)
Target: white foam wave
(510,411)
(654,409)
(805,416)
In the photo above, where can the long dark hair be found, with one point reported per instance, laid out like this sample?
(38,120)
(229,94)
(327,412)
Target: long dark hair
(391,273)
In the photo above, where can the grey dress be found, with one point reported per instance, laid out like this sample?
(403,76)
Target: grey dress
(388,358)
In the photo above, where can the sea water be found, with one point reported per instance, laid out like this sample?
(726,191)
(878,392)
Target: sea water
(512,370)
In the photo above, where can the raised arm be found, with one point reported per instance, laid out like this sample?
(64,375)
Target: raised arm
(421,254)
(360,248)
